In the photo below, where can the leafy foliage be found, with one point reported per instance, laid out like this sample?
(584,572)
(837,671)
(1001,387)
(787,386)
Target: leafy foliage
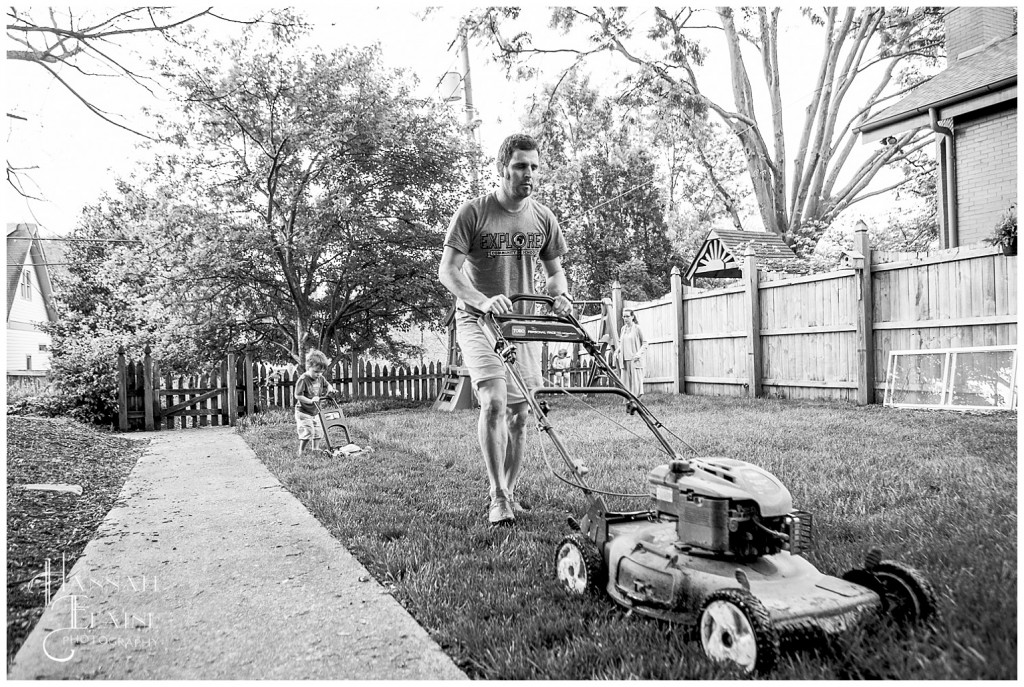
(602,181)
(1006,230)
(297,200)
(106,296)
(309,196)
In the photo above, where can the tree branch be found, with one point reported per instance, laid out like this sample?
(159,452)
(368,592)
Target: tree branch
(92,108)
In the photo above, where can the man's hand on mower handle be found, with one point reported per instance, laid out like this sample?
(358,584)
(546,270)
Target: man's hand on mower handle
(499,305)
(562,305)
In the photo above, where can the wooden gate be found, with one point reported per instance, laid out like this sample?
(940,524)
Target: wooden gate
(154,402)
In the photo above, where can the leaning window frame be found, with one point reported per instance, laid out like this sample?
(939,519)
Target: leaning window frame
(948,369)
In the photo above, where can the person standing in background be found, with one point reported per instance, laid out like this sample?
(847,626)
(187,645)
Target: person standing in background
(631,352)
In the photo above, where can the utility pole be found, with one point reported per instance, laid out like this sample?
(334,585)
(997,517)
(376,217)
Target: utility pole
(470,126)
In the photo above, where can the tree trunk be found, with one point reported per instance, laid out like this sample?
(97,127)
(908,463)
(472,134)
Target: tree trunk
(762,175)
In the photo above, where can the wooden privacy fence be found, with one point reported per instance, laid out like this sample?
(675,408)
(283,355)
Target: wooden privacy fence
(818,336)
(826,335)
(241,386)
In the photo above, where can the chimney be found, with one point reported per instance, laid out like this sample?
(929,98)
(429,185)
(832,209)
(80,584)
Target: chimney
(969,29)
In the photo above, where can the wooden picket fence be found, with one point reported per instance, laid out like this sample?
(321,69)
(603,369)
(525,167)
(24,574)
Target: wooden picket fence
(240,386)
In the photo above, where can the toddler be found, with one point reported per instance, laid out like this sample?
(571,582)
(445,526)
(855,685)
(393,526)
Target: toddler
(309,388)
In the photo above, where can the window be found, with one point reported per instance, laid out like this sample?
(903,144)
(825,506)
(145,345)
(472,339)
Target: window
(26,284)
(28,362)
(982,377)
(43,348)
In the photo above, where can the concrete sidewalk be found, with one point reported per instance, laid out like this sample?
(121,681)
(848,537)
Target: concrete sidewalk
(207,568)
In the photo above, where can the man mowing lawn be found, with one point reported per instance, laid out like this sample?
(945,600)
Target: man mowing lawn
(490,251)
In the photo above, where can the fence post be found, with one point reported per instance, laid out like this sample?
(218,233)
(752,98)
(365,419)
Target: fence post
(158,411)
(616,313)
(679,384)
(865,319)
(355,375)
(754,362)
(122,391)
(231,382)
(250,385)
(147,388)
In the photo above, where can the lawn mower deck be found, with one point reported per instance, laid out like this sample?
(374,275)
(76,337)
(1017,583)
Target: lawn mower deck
(718,548)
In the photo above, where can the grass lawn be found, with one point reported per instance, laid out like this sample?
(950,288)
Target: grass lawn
(936,490)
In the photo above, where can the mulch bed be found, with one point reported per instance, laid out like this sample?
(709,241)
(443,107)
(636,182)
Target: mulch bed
(45,525)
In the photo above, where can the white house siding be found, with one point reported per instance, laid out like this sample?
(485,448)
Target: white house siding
(23,336)
(21,344)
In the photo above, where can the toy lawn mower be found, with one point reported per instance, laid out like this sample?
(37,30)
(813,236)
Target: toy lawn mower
(719,546)
(332,417)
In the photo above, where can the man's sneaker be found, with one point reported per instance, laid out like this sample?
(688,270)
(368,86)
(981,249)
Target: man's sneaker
(501,512)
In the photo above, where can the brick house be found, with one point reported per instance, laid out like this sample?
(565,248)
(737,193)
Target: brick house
(972,107)
(29,303)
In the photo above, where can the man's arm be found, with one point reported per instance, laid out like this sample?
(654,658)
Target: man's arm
(454,279)
(557,286)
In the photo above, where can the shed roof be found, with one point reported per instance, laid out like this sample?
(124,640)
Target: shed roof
(991,69)
(722,251)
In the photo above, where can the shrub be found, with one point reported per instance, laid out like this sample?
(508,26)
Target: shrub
(84,373)
(1005,235)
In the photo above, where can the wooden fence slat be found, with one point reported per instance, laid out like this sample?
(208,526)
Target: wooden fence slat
(122,391)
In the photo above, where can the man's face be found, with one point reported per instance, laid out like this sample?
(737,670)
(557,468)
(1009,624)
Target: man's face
(519,176)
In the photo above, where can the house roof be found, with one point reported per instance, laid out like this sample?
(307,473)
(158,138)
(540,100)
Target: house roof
(19,247)
(991,69)
(722,252)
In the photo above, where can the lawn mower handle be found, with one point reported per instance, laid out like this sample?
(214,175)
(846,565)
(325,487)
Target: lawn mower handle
(507,352)
(516,298)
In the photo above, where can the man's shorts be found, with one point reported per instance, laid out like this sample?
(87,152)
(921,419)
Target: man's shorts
(483,363)
(308,426)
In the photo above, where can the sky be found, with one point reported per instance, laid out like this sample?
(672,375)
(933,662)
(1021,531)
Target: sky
(75,155)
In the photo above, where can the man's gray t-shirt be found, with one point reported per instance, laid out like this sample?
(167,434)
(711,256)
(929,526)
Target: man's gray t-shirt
(501,247)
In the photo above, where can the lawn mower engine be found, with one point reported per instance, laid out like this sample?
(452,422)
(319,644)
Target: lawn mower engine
(729,508)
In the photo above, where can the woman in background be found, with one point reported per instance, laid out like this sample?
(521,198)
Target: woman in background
(632,347)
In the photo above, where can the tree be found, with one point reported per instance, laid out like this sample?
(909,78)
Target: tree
(888,45)
(107,300)
(601,181)
(93,48)
(302,198)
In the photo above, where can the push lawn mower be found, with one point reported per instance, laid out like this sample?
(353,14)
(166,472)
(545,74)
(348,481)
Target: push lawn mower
(719,546)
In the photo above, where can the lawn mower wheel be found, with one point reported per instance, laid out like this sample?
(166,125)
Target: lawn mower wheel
(734,627)
(579,566)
